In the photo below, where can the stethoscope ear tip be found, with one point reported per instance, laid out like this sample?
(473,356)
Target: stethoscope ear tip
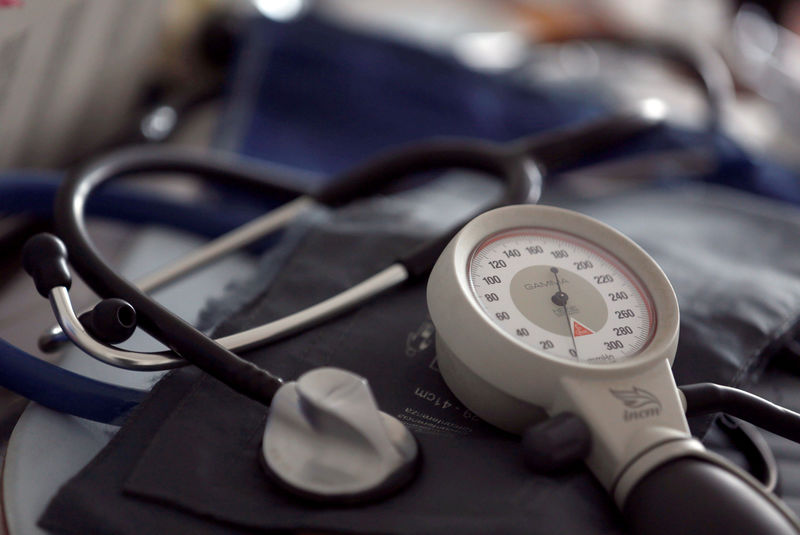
(44,258)
(111,321)
(327,442)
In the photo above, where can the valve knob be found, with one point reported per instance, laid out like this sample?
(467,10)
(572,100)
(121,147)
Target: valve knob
(556,443)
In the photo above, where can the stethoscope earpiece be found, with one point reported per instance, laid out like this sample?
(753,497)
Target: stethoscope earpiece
(44,258)
(111,321)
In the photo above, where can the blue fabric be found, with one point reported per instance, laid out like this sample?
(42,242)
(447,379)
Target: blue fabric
(315,96)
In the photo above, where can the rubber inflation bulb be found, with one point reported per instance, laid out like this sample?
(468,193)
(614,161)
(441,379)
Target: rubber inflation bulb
(556,443)
(691,495)
(326,440)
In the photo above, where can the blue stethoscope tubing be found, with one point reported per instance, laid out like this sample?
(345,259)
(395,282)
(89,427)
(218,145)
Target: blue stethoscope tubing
(34,192)
(63,390)
(95,400)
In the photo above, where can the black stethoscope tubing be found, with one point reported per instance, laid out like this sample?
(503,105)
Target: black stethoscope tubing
(518,165)
(184,339)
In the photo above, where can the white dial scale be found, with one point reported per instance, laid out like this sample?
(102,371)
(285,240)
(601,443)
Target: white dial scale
(562,295)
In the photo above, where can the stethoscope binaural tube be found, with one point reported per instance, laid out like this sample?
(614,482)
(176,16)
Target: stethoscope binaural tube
(181,337)
(515,164)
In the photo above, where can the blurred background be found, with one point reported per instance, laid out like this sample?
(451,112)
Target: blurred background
(316,86)
(78,75)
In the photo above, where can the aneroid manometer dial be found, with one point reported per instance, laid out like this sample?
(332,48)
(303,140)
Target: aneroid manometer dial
(561,294)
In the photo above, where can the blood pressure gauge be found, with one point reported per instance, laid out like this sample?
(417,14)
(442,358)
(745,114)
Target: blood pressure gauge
(540,311)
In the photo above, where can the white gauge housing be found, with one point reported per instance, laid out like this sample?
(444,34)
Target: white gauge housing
(511,381)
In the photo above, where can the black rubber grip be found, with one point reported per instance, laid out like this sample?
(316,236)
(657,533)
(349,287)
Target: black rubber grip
(692,495)
(44,258)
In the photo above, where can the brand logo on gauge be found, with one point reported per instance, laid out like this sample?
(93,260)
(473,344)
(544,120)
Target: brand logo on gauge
(638,402)
(535,285)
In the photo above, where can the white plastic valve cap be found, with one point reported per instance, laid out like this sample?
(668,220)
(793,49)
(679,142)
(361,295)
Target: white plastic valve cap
(325,439)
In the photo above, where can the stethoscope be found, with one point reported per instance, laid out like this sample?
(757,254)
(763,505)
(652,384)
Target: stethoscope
(517,165)
(331,412)
(514,165)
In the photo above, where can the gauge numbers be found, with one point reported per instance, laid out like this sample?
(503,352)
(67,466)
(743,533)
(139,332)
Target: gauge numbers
(561,295)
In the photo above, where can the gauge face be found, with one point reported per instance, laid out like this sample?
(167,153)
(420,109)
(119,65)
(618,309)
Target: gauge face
(561,295)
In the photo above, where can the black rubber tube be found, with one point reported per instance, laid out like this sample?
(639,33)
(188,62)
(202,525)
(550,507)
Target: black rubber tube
(759,456)
(222,168)
(512,168)
(707,398)
(557,150)
(522,165)
(694,496)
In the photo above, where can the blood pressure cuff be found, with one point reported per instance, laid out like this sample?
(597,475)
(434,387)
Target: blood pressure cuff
(187,460)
